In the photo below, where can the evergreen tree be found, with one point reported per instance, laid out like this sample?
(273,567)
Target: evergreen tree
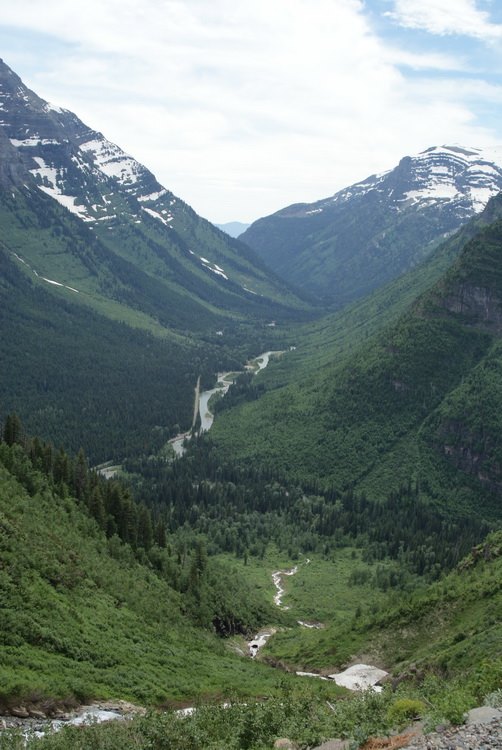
(13,430)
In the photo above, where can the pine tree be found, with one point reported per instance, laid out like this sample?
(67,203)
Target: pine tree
(13,430)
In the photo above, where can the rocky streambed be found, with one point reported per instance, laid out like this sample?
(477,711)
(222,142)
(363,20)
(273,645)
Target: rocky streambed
(35,721)
(355,677)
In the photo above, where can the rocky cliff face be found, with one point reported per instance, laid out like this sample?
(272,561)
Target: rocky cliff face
(69,161)
(478,304)
(472,451)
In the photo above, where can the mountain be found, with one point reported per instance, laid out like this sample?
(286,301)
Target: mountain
(342,247)
(233,228)
(418,402)
(126,241)
(115,295)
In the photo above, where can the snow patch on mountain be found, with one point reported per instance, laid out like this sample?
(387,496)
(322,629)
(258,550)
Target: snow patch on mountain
(33,141)
(153,196)
(450,174)
(156,215)
(435,191)
(53,177)
(43,278)
(214,268)
(58,283)
(48,107)
(112,161)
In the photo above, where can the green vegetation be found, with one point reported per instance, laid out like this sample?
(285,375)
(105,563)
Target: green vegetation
(242,508)
(438,687)
(418,402)
(112,366)
(451,627)
(95,589)
(86,614)
(305,718)
(368,456)
(79,379)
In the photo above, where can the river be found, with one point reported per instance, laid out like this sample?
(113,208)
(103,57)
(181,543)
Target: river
(223,383)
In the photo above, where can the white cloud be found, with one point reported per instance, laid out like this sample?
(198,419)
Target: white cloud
(243,107)
(432,61)
(446,17)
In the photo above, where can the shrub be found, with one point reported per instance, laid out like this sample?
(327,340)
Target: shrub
(403,710)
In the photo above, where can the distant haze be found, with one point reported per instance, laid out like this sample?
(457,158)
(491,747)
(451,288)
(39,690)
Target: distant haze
(233,228)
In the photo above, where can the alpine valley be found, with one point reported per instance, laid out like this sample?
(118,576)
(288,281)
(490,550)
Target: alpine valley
(344,507)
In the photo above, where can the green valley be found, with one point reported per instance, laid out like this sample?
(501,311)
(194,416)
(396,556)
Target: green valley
(380,417)
(342,511)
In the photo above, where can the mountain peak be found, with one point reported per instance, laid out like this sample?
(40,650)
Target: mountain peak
(344,246)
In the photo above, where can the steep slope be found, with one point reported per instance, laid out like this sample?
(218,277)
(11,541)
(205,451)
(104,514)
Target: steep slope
(122,236)
(87,615)
(344,246)
(80,379)
(419,402)
(441,642)
(115,296)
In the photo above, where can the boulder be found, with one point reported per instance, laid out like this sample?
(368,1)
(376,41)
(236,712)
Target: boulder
(36,713)
(20,711)
(483,715)
(284,744)
(334,745)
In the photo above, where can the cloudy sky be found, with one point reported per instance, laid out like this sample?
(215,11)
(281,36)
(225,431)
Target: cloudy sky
(242,107)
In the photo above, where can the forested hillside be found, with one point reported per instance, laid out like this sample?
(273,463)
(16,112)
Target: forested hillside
(358,478)
(103,597)
(98,601)
(116,296)
(80,379)
(417,402)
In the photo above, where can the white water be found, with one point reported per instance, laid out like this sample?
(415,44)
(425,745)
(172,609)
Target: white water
(277,580)
(262,361)
(87,715)
(356,677)
(261,638)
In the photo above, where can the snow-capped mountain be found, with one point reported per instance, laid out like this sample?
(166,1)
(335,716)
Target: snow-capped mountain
(464,178)
(343,246)
(48,152)
(72,163)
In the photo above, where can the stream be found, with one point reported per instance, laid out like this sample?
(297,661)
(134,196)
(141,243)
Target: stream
(355,677)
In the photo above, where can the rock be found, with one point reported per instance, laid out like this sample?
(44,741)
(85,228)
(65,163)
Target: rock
(482,736)
(20,711)
(36,713)
(483,715)
(61,715)
(284,744)
(334,745)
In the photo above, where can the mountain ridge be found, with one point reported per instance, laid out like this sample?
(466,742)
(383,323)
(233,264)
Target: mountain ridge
(121,202)
(88,253)
(344,246)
